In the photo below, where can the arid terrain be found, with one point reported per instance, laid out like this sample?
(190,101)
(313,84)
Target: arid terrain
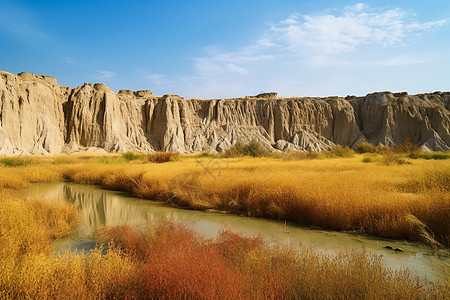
(376,166)
(387,194)
(38,116)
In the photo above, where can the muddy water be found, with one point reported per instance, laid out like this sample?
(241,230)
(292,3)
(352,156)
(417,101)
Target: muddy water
(99,208)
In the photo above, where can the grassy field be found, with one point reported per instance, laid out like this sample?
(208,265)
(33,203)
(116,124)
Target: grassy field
(410,200)
(168,261)
(395,197)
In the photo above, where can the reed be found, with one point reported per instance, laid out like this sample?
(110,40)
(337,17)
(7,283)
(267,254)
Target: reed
(334,193)
(371,198)
(176,263)
(167,261)
(162,157)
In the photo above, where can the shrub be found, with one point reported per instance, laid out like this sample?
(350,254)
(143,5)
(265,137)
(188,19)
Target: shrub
(133,155)
(162,157)
(406,146)
(173,262)
(392,158)
(365,147)
(235,150)
(367,159)
(340,151)
(254,149)
(337,151)
(370,157)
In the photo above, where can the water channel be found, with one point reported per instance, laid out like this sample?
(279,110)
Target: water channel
(99,208)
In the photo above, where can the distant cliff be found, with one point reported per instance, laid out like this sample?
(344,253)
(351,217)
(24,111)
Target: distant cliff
(38,116)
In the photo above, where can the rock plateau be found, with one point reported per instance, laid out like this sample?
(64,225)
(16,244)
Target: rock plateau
(38,116)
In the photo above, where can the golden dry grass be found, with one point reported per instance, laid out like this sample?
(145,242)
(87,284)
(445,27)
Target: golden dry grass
(171,262)
(167,261)
(339,194)
(31,226)
(333,193)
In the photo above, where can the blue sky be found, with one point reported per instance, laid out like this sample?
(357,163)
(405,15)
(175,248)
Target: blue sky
(218,49)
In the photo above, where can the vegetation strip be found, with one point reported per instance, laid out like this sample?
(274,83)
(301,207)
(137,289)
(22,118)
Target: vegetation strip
(388,200)
(169,261)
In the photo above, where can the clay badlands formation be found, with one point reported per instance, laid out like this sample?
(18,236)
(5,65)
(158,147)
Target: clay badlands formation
(38,116)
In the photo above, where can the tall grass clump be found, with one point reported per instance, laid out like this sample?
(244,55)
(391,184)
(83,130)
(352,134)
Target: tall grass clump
(370,157)
(428,180)
(393,158)
(173,262)
(30,269)
(253,149)
(162,157)
(129,156)
(30,226)
(430,216)
(17,161)
(365,147)
(405,147)
(299,155)
(337,151)
(431,155)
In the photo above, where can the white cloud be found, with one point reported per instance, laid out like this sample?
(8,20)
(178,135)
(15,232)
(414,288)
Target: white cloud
(103,75)
(220,63)
(359,6)
(317,39)
(426,26)
(311,55)
(157,79)
(355,27)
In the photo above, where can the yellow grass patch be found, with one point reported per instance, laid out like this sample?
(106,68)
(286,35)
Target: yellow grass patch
(334,193)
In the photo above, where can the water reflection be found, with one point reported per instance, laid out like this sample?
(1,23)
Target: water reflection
(99,208)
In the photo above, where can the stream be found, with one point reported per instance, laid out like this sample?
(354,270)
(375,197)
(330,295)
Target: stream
(99,208)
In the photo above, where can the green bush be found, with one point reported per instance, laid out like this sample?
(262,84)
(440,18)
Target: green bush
(235,150)
(17,161)
(365,147)
(253,149)
(431,155)
(133,155)
(370,157)
(367,159)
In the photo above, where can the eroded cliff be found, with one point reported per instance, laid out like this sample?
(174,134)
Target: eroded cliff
(37,116)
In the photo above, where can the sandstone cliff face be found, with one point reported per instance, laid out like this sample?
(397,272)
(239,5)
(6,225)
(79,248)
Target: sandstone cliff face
(37,116)
(386,118)
(31,116)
